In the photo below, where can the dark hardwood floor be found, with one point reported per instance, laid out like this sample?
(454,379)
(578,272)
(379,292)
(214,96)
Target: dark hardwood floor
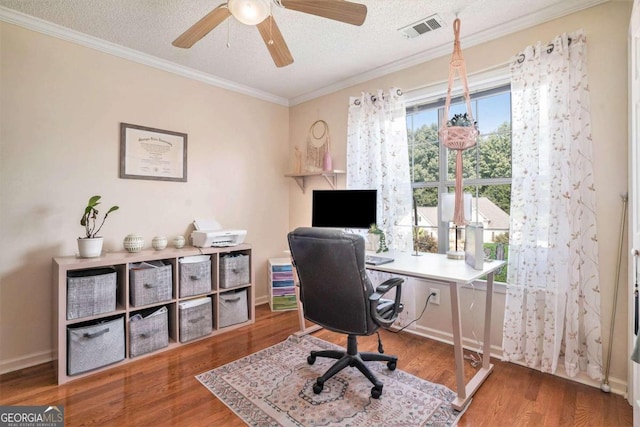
(161,390)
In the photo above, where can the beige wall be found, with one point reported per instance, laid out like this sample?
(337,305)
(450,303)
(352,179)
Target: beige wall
(59,144)
(606,28)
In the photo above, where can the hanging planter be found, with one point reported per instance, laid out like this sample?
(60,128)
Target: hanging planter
(461,131)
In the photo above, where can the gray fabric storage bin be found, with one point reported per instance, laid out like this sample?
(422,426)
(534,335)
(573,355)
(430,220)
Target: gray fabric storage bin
(150,283)
(91,292)
(196,319)
(195,277)
(95,345)
(234,270)
(149,334)
(233,307)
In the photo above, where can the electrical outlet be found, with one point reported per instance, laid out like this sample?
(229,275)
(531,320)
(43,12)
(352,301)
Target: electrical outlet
(435,299)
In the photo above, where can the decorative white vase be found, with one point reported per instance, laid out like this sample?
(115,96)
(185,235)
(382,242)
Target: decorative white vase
(159,243)
(90,247)
(133,243)
(178,242)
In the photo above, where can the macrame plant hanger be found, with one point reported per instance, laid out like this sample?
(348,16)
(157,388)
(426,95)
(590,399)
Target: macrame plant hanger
(453,135)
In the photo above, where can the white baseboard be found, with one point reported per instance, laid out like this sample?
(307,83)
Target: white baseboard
(618,386)
(447,338)
(262,300)
(27,361)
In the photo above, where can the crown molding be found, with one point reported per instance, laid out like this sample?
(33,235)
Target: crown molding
(39,25)
(553,12)
(32,23)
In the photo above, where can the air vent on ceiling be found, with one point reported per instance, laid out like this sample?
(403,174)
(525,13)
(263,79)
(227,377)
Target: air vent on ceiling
(423,26)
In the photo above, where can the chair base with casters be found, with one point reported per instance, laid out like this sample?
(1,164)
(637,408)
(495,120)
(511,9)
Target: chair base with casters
(352,358)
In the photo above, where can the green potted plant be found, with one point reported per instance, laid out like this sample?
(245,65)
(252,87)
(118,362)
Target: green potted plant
(91,244)
(382,240)
(462,120)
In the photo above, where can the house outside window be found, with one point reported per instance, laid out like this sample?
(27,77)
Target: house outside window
(486,172)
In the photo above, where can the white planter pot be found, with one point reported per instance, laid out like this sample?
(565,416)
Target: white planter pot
(90,248)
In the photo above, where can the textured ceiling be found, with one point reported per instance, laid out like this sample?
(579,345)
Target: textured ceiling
(327,54)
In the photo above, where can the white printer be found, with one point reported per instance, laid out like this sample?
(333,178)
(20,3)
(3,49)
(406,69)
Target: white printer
(209,233)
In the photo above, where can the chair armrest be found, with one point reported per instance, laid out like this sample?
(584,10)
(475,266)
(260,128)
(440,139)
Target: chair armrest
(385,287)
(374,300)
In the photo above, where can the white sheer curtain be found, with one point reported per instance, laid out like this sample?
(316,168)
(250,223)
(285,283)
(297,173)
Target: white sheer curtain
(553,289)
(378,158)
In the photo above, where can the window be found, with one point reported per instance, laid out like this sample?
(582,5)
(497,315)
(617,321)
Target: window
(486,173)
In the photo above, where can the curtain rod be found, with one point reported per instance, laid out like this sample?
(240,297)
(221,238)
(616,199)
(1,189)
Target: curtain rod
(550,48)
(520,59)
(374,98)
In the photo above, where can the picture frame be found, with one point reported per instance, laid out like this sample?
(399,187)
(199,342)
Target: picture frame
(150,153)
(473,245)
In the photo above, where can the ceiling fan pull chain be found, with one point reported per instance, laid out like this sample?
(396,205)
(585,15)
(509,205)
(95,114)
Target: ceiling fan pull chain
(228,33)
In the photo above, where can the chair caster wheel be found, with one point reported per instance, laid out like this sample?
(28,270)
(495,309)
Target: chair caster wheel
(311,360)
(376,392)
(317,387)
(392,365)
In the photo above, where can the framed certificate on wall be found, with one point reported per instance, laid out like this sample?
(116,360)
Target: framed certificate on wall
(149,153)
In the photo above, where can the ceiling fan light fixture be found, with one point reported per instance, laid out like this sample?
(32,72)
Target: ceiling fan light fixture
(249,12)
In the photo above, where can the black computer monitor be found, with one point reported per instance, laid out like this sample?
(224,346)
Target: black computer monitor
(344,208)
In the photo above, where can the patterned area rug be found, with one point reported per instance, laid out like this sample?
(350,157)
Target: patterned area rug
(274,387)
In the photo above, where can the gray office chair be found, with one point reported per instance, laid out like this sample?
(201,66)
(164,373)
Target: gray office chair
(337,295)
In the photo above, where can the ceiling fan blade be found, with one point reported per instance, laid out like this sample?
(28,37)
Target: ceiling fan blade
(338,10)
(275,42)
(202,27)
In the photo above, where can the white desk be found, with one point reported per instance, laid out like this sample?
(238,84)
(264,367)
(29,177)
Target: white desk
(454,273)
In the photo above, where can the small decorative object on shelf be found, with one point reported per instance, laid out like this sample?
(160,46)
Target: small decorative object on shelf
(91,245)
(327,163)
(133,243)
(298,160)
(178,242)
(159,243)
(383,240)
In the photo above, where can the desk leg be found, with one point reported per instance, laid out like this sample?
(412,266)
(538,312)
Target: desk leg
(303,325)
(465,392)
(486,345)
(461,400)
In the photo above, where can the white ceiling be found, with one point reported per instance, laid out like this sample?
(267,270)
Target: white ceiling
(328,55)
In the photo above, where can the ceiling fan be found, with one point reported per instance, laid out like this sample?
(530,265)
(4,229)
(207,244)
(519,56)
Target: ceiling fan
(258,13)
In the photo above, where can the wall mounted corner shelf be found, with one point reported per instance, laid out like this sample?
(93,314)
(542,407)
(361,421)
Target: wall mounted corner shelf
(330,176)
